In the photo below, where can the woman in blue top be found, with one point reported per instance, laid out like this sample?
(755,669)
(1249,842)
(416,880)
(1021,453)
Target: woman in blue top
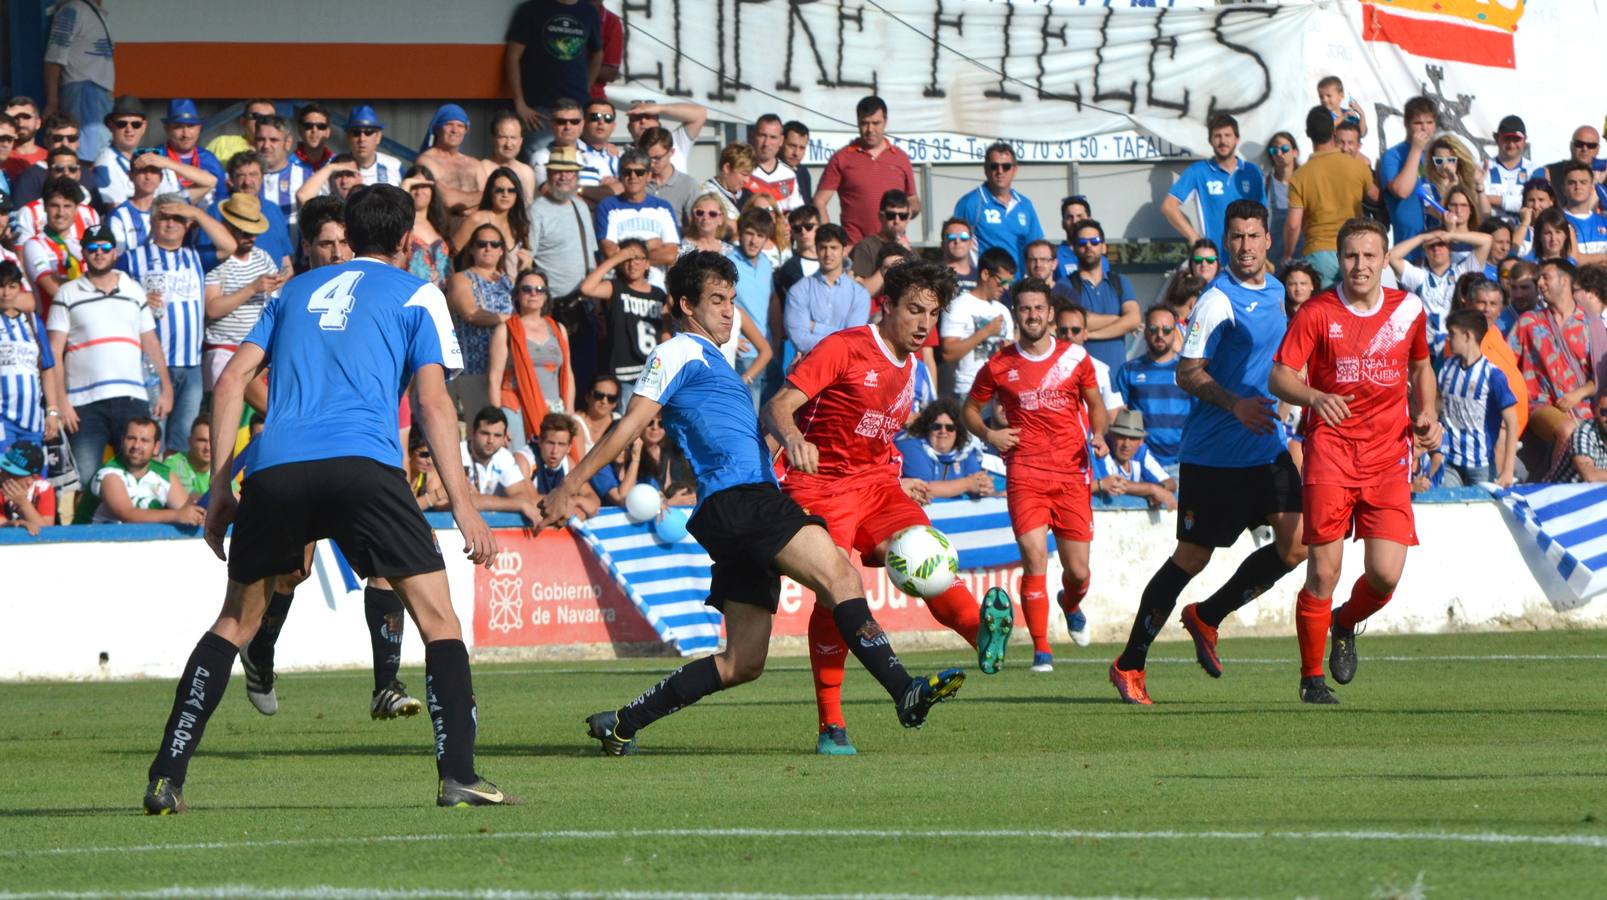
(939,451)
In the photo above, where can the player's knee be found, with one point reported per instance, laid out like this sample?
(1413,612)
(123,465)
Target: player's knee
(741,670)
(1078,573)
(1191,558)
(1293,555)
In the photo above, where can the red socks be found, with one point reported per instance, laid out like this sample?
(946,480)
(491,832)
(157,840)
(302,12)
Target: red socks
(827,659)
(1035,609)
(1364,601)
(1073,593)
(957,609)
(1312,617)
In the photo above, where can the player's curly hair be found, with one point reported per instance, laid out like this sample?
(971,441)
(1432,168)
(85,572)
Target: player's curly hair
(692,272)
(919,276)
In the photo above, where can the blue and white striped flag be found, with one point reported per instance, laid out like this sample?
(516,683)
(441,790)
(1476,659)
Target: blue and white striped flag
(668,582)
(1568,523)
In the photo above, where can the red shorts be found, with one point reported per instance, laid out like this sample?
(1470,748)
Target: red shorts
(861,517)
(1065,506)
(1334,512)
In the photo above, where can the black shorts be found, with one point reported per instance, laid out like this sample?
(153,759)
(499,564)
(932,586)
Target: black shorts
(362,504)
(1215,505)
(743,528)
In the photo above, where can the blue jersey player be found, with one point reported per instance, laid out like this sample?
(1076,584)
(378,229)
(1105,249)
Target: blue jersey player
(751,530)
(1234,471)
(343,341)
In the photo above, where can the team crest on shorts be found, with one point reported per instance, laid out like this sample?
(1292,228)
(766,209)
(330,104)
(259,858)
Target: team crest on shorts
(1188,520)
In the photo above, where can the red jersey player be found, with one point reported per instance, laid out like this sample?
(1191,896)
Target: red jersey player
(837,417)
(1050,397)
(1369,387)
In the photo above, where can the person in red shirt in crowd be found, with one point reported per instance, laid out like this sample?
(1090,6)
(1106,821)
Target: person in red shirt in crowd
(26,500)
(865,170)
(837,417)
(1051,400)
(1370,397)
(613,51)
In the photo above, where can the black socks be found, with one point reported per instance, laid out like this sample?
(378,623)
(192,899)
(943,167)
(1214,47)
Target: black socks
(201,687)
(1258,573)
(1154,608)
(450,695)
(870,645)
(273,621)
(683,687)
(386,623)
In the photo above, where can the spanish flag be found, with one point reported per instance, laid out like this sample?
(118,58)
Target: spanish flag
(1470,31)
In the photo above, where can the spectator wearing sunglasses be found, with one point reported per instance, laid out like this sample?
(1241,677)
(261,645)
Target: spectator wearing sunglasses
(599,409)
(364,132)
(1148,384)
(1071,324)
(863,170)
(976,323)
(999,215)
(554,50)
(633,213)
(1283,158)
(62,139)
(251,112)
(312,136)
(895,219)
(115,166)
(61,164)
(938,450)
(664,180)
(956,248)
(1583,147)
(1214,183)
(599,157)
(803,223)
(480,295)
(1073,209)
(1105,294)
(1506,174)
(25,151)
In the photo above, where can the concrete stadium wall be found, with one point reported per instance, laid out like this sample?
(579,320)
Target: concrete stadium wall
(140,595)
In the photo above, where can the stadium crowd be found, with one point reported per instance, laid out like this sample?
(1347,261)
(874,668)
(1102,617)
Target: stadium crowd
(134,259)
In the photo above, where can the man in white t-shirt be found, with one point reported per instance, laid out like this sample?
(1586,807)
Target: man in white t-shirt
(135,488)
(499,486)
(771,175)
(976,323)
(645,114)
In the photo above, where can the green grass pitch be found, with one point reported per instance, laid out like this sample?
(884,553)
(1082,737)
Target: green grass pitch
(1457,766)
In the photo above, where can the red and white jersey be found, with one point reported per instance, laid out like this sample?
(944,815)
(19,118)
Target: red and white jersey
(1043,397)
(860,396)
(30,220)
(1364,355)
(781,183)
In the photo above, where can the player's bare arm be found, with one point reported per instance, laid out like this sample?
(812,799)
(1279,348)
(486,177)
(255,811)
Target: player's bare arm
(228,398)
(1001,439)
(1287,385)
(1098,420)
(440,422)
(1258,414)
(557,506)
(1425,400)
(778,421)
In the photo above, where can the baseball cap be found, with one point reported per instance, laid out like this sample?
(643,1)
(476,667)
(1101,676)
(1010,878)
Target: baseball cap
(24,458)
(363,116)
(99,232)
(563,159)
(1129,423)
(1511,125)
(181,112)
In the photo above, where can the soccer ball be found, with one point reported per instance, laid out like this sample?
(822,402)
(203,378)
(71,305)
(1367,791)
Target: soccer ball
(922,562)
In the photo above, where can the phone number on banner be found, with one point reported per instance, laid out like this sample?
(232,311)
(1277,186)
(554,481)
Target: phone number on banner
(941,148)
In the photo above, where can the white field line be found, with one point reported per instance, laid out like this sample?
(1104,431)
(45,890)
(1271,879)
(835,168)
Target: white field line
(1593,842)
(340,893)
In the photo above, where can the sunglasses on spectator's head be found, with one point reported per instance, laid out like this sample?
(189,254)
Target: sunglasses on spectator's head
(600,117)
(943,426)
(1090,241)
(99,247)
(999,167)
(1203,260)
(633,171)
(1586,145)
(488,245)
(310,125)
(364,132)
(1067,331)
(558,121)
(900,215)
(957,237)
(606,398)
(121,124)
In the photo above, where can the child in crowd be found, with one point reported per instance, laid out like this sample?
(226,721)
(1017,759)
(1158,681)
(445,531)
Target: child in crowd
(26,500)
(1130,469)
(1331,94)
(1477,408)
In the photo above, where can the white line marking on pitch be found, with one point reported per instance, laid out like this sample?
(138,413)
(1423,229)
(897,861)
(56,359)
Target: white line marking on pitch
(339,893)
(1593,842)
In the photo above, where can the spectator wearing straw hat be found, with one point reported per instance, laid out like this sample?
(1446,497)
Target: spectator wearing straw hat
(240,286)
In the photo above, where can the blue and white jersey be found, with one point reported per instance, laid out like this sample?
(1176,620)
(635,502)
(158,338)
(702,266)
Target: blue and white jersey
(1011,225)
(1143,468)
(131,226)
(178,276)
(1437,292)
(709,413)
(1151,388)
(1214,188)
(113,171)
(343,342)
(1471,401)
(1507,184)
(1236,328)
(279,188)
(1590,232)
(24,354)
